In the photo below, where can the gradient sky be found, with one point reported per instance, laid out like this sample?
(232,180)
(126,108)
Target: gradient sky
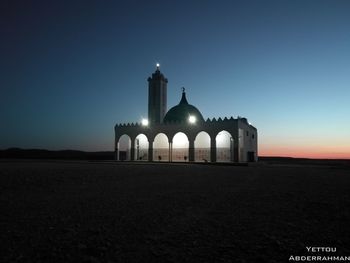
(71,70)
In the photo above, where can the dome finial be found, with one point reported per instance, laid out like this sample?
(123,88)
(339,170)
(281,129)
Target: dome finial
(183,98)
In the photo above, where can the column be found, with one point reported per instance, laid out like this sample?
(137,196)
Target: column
(170,156)
(150,151)
(132,150)
(191,150)
(212,149)
(236,152)
(116,149)
(231,150)
(116,154)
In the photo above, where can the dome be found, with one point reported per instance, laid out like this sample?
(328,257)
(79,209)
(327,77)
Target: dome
(182,112)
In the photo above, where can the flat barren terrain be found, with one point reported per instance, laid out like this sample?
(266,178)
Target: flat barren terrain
(118,212)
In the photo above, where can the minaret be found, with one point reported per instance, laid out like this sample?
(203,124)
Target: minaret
(157,97)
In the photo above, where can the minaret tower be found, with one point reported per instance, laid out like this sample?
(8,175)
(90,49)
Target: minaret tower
(157,97)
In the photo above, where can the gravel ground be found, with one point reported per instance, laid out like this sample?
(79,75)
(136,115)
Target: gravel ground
(119,212)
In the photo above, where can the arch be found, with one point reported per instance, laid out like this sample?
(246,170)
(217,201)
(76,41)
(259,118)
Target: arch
(141,147)
(161,147)
(202,147)
(180,146)
(124,148)
(224,147)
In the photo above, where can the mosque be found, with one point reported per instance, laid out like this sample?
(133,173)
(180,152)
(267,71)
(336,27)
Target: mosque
(182,134)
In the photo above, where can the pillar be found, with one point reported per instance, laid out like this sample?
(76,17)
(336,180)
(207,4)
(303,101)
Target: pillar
(150,151)
(191,150)
(116,149)
(170,151)
(236,153)
(132,150)
(116,154)
(212,149)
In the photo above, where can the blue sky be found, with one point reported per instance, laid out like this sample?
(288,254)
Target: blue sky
(70,70)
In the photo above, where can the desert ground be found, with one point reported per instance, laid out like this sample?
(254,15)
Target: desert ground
(79,211)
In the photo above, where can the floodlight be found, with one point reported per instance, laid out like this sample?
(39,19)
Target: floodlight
(144,122)
(192,119)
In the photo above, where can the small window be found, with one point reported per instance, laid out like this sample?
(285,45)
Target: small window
(247,133)
(253,136)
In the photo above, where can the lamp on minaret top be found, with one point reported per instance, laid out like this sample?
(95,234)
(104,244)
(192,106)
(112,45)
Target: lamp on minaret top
(157,97)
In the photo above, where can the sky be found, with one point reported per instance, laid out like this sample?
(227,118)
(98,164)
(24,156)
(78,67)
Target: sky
(71,70)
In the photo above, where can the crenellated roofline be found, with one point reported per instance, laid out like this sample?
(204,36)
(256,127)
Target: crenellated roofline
(208,120)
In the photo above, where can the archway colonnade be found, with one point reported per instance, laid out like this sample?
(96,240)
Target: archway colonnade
(178,147)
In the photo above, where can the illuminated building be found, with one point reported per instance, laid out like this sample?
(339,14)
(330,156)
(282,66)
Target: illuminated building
(181,134)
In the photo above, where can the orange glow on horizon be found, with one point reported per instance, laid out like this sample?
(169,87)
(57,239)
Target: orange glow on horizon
(321,152)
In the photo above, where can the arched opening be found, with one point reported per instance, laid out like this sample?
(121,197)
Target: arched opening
(202,147)
(180,148)
(224,147)
(141,147)
(161,148)
(124,147)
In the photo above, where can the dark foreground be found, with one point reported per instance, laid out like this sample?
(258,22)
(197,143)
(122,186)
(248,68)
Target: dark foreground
(107,212)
